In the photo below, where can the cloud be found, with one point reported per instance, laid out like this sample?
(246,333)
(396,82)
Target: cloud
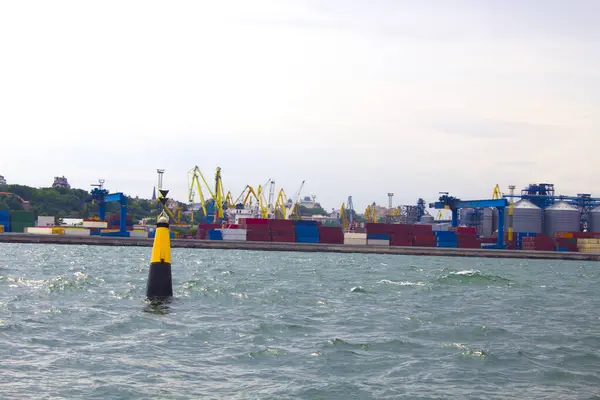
(357,99)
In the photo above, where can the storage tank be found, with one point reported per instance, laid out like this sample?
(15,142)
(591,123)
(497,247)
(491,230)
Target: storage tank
(594,220)
(527,217)
(561,217)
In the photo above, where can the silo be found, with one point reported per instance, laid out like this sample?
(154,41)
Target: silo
(561,217)
(527,217)
(594,220)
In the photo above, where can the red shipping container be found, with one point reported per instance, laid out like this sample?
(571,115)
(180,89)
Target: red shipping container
(254,221)
(281,223)
(371,227)
(258,237)
(421,229)
(400,229)
(465,230)
(283,239)
(402,239)
(424,241)
(258,228)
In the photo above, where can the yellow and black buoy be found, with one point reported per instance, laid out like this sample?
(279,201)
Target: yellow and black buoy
(160,285)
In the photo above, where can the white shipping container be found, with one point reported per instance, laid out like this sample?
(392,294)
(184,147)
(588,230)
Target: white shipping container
(138,235)
(234,234)
(45,221)
(38,231)
(378,242)
(441,227)
(355,242)
(351,235)
(77,232)
(95,224)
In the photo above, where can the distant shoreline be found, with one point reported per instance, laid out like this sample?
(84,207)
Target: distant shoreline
(301,247)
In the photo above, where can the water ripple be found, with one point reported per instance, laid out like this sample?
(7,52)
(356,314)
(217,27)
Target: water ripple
(74,324)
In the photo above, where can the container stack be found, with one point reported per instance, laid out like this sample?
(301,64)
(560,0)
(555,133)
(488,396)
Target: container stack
(446,239)
(257,230)
(306,231)
(378,234)
(5,220)
(467,238)
(19,220)
(401,235)
(203,228)
(588,245)
(114,222)
(422,235)
(520,235)
(331,235)
(282,230)
(538,242)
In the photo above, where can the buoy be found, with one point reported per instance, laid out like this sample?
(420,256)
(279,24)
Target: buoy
(160,285)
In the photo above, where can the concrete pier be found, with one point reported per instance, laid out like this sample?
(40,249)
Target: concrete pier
(302,247)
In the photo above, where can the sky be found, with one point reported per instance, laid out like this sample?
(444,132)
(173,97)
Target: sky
(356,98)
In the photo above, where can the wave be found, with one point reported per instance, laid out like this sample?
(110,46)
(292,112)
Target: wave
(403,283)
(472,277)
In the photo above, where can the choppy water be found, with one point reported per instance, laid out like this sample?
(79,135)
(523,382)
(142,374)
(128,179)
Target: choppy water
(269,325)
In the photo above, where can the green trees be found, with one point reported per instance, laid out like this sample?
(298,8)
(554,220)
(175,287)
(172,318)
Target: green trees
(70,203)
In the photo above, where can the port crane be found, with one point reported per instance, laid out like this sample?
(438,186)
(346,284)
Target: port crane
(454,204)
(101,196)
(213,207)
(294,212)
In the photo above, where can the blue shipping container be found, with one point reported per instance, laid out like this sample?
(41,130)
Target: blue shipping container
(447,244)
(215,235)
(307,239)
(4,214)
(378,236)
(445,234)
(305,223)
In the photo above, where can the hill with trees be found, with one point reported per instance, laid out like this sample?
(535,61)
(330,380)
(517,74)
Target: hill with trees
(70,203)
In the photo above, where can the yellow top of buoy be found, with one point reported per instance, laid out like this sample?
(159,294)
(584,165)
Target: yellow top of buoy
(161,249)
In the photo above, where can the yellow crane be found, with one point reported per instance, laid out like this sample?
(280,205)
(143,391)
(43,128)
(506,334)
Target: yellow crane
(371,214)
(280,208)
(195,180)
(343,217)
(246,197)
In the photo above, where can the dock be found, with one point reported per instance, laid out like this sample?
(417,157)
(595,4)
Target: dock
(298,247)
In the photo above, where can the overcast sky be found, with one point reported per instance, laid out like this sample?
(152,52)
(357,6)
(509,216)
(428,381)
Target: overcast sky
(357,98)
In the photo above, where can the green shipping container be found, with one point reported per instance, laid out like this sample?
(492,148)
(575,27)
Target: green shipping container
(22,216)
(20,226)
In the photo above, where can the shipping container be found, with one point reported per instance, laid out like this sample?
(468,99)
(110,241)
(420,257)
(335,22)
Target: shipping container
(378,236)
(377,242)
(423,240)
(138,234)
(234,234)
(215,234)
(45,221)
(39,230)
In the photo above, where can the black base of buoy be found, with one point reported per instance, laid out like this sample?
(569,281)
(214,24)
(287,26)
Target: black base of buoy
(159,284)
